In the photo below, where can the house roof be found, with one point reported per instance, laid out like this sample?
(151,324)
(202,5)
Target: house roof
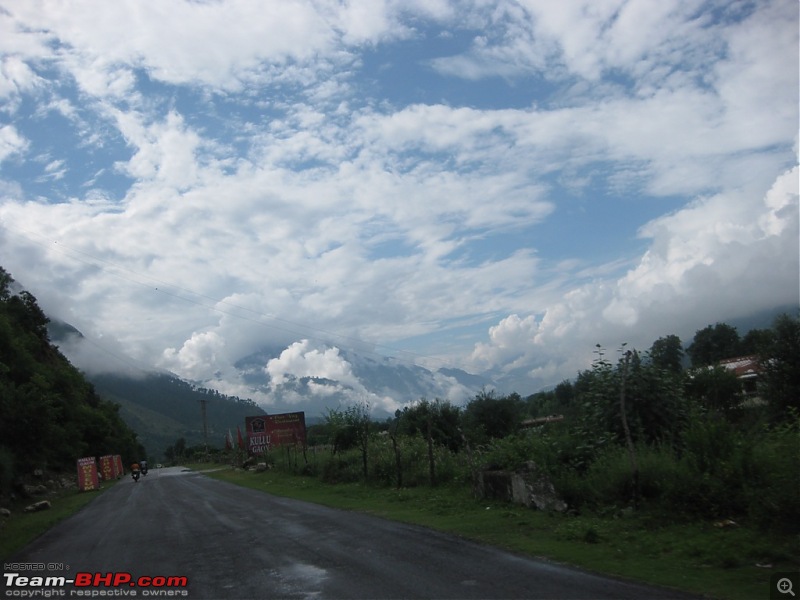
(743,366)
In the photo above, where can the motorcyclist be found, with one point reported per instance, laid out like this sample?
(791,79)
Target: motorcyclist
(143,465)
(135,472)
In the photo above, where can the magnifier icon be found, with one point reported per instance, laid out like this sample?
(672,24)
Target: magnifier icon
(784,586)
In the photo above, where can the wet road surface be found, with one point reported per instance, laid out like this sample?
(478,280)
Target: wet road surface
(232,542)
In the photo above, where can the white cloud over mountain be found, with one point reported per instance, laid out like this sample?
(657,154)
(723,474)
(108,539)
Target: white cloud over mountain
(496,186)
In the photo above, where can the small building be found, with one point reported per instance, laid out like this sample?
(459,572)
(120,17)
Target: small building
(528,423)
(747,370)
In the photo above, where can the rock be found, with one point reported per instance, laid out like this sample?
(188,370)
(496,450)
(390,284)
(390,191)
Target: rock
(529,486)
(4,512)
(261,467)
(37,506)
(540,490)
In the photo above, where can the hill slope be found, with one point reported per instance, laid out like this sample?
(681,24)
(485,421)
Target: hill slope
(163,408)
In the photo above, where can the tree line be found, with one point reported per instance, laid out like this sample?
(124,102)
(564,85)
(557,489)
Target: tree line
(50,415)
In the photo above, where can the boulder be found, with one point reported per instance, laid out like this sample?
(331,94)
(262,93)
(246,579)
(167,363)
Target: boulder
(539,490)
(529,486)
(37,506)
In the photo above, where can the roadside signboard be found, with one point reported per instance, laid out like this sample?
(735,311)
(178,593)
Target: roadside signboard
(265,432)
(107,467)
(87,474)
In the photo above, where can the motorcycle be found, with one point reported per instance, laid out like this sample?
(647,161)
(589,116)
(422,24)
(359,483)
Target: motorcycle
(135,475)
(144,469)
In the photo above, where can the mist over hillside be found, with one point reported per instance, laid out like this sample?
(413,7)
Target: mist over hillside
(162,407)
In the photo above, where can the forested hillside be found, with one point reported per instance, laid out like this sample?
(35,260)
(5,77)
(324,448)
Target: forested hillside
(163,409)
(50,415)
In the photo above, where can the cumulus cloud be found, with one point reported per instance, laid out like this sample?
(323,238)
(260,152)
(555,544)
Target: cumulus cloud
(730,254)
(299,360)
(192,181)
(11,142)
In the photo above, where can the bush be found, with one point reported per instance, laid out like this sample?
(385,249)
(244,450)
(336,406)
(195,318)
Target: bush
(772,488)
(344,467)
(608,482)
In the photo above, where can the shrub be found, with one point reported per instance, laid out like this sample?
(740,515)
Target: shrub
(344,467)
(772,489)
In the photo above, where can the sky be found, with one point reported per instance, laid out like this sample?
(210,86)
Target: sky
(496,186)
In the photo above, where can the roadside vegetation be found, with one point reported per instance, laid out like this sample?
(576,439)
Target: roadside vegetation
(22,528)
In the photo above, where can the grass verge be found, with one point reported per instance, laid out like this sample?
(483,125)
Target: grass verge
(699,557)
(21,528)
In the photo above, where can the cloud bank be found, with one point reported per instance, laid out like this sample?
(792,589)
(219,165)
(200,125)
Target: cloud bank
(491,187)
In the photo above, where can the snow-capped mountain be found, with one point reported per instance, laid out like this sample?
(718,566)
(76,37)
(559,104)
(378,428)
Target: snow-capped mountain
(323,377)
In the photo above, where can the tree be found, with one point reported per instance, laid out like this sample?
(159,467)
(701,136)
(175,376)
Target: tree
(445,420)
(781,374)
(757,341)
(653,400)
(713,344)
(667,353)
(628,439)
(351,428)
(715,387)
(489,417)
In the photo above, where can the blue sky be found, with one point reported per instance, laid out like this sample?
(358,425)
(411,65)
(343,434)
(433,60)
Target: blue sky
(494,186)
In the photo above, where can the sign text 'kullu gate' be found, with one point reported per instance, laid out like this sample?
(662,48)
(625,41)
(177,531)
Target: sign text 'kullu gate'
(272,431)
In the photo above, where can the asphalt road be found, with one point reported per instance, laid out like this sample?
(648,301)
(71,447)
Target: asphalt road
(231,542)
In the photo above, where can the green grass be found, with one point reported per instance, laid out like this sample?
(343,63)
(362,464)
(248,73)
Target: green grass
(21,528)
(695,557)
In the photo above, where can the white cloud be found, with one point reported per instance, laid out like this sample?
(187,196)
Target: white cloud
(301,360)
(260,186)
(196,357)
(11,142)
(731,254)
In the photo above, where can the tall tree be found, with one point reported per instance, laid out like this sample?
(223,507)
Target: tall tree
(781,373)
(445,419)
(351,428)
(714,387)
(667,353)
(488,416)
(757,341)
(713,344)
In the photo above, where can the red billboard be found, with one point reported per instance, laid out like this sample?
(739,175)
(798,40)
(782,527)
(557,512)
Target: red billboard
(108,468)
(273,431)
(87,474)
